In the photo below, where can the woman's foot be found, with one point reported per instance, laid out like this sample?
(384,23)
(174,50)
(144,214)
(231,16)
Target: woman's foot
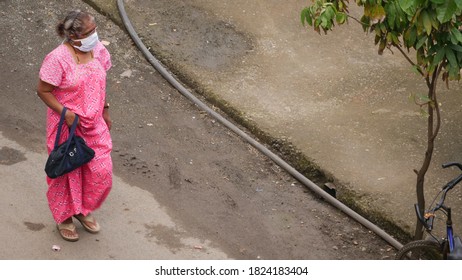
(89,223)
(68,231)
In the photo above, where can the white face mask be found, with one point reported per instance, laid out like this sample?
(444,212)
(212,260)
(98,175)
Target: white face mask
(88,43)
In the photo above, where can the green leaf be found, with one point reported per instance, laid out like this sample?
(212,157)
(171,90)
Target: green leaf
(317,22)
(408,6)
(445,11)
(391,15)
(415,69)
(457,48)
(330,13)
(303,16)
(367,10)
(395,39)
(435,22)
(457,34)
(453,72)
(420,56)
(453,39)
(424,113)
(459,3)
(392,39)
(438,1)
(389,38)
(377,14)
(366,22)
(341,18)
(430,69)
(439,56)
(426,22)
(421,42)
(410,37)
(309,18)
(383,28)
(424,98)
(451,57)
(324,21)
(378,31)
(382,46)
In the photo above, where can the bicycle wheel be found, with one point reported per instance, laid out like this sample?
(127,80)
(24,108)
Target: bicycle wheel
(420,250)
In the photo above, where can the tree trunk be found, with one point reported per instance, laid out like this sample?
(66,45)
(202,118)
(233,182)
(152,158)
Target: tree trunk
(432,132)
(423,170)
(421,175)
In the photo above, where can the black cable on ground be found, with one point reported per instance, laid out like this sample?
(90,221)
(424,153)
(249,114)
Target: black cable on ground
(297,175)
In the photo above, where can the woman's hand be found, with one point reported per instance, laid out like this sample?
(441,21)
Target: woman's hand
(107,118)
(70,117)
(44,91)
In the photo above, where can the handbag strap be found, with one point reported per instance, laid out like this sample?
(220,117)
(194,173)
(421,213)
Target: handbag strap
(72,132)
(61,121)
(72,129)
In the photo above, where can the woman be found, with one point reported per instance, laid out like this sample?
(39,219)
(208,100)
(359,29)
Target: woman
(73,75)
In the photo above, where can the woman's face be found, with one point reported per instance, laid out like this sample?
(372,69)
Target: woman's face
(89,28)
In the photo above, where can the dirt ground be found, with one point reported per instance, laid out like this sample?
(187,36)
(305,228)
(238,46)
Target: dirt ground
(331,96)
(207,178)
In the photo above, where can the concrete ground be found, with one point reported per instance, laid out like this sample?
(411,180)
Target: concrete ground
(133,237)
(185,186)
(331,96)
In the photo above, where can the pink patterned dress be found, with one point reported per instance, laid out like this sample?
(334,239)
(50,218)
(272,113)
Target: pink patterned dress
(82,89)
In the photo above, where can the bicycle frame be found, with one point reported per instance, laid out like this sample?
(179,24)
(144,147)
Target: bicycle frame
(454,242)
(447,243)
(453,249)
(450,246)
(449,230)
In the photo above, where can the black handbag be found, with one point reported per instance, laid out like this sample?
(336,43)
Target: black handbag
(69,155)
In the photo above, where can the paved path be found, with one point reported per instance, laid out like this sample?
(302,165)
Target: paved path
(128,233)
(345,108)
(342,105)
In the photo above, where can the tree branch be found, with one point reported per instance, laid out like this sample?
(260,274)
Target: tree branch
(437,108)
(357,20)
(410,61)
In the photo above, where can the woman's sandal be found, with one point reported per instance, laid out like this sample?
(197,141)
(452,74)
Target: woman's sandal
(88,222)
(68,231)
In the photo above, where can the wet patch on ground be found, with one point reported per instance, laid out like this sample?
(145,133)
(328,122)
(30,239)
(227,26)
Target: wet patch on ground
(34,226)
(9,156)
(165,236)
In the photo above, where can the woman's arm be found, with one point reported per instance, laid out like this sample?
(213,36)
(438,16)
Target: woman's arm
(106,115)
(44,90)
